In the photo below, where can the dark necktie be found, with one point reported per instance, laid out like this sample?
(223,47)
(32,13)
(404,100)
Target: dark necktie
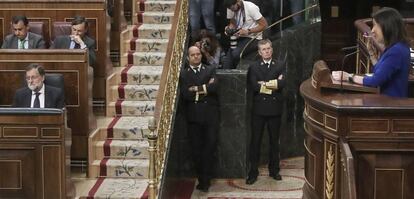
(22,44)
(36,103)
(77,46)
(196,70)
(266,65)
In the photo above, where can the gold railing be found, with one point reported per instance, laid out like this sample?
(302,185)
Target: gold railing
(278,23)
(167,93)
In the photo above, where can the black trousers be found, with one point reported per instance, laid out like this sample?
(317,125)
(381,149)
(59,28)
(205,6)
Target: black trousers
(273,126)
(203,138)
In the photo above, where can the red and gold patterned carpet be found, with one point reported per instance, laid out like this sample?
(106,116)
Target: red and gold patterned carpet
(265,188)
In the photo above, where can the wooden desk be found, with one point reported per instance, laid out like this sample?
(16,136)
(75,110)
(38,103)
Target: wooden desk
(49,12)
(34,152)
(78,85)
(379,131)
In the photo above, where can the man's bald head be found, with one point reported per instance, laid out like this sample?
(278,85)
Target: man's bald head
(194,56)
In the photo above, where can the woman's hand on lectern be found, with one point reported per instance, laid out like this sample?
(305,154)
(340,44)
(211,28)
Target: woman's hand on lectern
(340,75)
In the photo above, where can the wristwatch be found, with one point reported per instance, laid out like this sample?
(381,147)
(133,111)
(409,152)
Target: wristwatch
(351,78)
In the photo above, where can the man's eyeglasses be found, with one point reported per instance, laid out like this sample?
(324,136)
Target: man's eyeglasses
(28,78)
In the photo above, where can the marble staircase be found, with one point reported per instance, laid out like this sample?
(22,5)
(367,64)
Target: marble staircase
(118,156)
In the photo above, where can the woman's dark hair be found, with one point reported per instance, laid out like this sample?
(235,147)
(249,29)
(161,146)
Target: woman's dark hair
(392,25)
(214,43)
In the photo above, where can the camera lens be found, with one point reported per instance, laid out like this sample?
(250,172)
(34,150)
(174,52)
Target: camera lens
(233,42)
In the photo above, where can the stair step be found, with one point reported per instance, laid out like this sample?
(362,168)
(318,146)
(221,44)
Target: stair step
(155,17)
(148,31)
(157,6)
(132,108)
(136,168)
(147,45)
(143,75)
(123,149)
(153,31)
(134,92)
(147,58)
(114,188)
(130,127)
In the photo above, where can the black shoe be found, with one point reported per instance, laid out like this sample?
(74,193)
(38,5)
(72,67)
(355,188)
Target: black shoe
(251,179)
(276,176)
(202,187)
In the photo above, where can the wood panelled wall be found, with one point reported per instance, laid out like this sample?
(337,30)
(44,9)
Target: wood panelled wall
(338,31)
(49,11)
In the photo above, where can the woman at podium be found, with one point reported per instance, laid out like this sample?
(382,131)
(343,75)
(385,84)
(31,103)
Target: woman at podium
(391,70)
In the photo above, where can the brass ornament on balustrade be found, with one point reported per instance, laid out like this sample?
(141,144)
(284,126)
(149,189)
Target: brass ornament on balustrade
(330,168)
(170,93)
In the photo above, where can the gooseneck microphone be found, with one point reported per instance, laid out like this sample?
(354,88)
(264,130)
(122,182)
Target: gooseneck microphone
(344,59)
(349,48)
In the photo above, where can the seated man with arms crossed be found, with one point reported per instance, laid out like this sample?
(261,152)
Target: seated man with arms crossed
(21,37)
(78,39)
(37,94)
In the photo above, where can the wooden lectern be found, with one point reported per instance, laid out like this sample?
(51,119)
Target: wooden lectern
(322,78)
(34,154)
(358,145)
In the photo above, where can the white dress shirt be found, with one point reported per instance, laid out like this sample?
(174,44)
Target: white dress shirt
(72,45)
(194,68)
(41,97)
(26,42)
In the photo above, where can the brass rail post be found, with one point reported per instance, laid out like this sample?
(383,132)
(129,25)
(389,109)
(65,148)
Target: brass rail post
(152,139)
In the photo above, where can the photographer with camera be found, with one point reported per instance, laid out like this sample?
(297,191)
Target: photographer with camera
(210,48)
(246,22)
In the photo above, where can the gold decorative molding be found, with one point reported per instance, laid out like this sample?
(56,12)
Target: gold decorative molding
(50,132)
(315,115)
(331,122)
(364,125)
(169,94)
(9,132)
(330,173)
(389,169)
(402,126)
(19,162)
(59,148)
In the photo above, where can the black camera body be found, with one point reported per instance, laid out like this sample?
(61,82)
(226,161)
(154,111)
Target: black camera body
(205,45)
(231,31)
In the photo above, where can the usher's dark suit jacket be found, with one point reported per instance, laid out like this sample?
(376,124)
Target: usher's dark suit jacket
(263,104)
(63,42)
(207,106)
(54,97)
(35,41)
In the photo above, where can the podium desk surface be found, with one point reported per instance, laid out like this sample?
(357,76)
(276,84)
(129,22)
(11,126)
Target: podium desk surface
(354,102)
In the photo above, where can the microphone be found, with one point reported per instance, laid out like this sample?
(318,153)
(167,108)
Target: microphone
(343,63)
(349,48)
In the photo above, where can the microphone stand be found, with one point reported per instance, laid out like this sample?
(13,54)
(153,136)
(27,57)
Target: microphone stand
(342,67)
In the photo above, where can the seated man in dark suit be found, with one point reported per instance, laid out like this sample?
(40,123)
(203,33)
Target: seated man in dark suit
(78,39)
(21,37)
(37,94)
